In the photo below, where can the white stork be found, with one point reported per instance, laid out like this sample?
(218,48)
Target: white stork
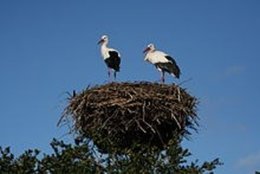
(110,56)
(162,61)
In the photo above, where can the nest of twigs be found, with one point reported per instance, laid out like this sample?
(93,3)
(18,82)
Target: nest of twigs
(119,115)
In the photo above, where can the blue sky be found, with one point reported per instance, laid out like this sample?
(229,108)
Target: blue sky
(50,47)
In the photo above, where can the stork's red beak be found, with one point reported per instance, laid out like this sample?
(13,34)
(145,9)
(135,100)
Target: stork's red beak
(146,49)
(101,41)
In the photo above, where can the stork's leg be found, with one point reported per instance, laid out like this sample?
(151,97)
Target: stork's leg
(115,75)
(162,77)
(109,73)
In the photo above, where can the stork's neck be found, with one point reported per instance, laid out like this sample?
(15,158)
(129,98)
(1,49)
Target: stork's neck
(104,46)
(104,50)
(148,54)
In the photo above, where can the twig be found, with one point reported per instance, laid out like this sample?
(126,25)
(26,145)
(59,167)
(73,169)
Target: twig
(178,124)
(179,94)
(150,126)
(185,81)
(114,114)
(140,126)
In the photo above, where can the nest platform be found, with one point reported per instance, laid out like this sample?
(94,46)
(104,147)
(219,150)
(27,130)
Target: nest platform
(119,115)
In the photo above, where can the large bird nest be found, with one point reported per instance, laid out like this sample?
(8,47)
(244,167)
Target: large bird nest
(119,115)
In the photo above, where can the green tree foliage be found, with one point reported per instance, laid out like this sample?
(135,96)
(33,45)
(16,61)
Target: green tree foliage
(82,158)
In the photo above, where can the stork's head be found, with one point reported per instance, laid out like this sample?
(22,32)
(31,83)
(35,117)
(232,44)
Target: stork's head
(149,47)
(103,39)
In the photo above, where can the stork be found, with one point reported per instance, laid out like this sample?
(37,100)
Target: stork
(110,56)
(162,61)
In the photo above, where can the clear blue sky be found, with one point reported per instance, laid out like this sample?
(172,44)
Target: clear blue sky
(50,47)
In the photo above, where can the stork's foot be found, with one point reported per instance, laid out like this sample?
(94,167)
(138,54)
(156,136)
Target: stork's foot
(162,80)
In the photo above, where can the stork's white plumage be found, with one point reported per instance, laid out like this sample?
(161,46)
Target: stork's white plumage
(110,56)
(162,61)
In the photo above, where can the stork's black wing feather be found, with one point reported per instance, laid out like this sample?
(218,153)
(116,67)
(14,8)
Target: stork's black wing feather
(113,61)
(174,68)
